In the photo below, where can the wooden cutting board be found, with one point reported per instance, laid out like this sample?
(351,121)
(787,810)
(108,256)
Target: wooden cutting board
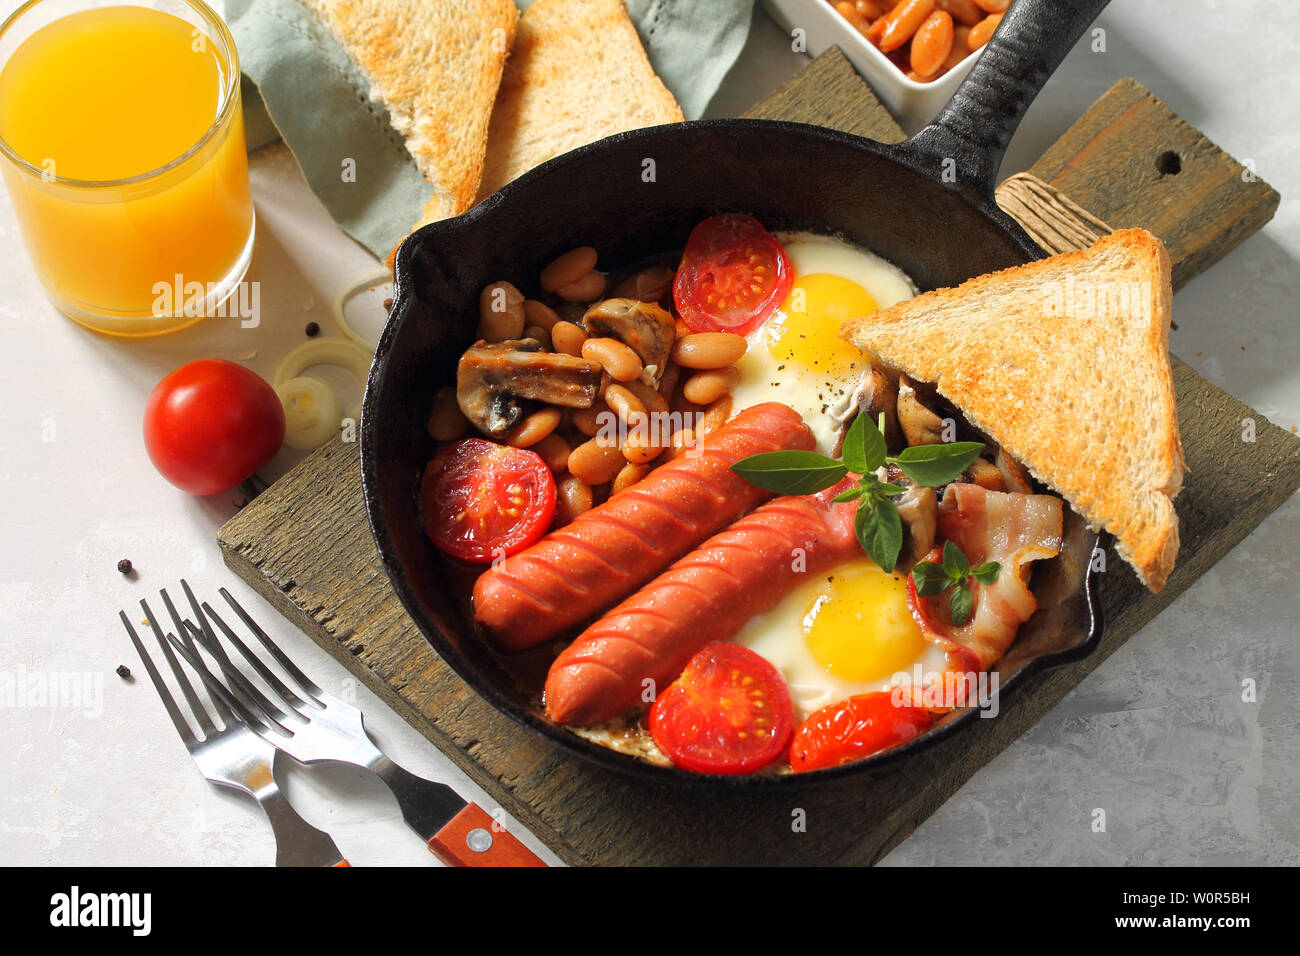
(305,545)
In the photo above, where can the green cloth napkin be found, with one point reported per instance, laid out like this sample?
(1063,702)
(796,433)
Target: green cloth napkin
(300,86)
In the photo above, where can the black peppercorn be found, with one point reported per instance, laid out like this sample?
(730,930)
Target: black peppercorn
(123,672)
(313,330)
(124,565)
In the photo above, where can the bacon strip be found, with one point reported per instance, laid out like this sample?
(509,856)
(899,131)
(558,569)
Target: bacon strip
(1012,529)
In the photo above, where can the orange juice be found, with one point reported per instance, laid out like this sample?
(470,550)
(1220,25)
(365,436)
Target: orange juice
(128,167)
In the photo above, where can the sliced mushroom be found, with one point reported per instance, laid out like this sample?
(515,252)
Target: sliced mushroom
(984,473)
(1013,474)
(494,380)
(875,394)
(644,327)
(920,425)
(918,506)
(648,285)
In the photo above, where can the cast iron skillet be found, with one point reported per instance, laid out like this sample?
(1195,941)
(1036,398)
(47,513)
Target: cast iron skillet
(926,205)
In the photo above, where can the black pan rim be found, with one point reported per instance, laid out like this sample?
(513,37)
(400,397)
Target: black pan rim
(587,750)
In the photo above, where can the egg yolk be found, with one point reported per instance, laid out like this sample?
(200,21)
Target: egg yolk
(806,330)
(859,628)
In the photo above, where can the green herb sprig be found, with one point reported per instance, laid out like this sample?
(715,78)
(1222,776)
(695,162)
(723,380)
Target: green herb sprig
(955,574)
(878,525)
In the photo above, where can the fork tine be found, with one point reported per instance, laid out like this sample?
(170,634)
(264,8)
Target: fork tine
(218,689)
(239,686)
(203,622)
(196,705)
(288,696)
(222,711)
(178,720)
(303,680)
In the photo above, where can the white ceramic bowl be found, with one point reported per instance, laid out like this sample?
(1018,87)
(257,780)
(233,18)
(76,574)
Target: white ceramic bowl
(912,104)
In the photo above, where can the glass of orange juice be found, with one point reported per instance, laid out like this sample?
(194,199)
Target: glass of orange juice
(122,137)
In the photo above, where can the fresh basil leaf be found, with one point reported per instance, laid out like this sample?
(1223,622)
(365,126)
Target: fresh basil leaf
(864,447)
(880,531)
(935,465)
(986,573)
(929,578)
(962,603)
(790,472)
(850,495)
(891,491)
(954,562)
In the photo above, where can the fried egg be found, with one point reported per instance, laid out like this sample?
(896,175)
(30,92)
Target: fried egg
(843,633)
(797,356)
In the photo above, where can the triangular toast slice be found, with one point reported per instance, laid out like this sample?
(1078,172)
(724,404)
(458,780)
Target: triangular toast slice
(577,73)
(436,65)
(1065,362)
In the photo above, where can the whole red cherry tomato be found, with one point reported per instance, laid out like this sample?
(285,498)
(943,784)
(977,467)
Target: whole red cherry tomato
(210,424)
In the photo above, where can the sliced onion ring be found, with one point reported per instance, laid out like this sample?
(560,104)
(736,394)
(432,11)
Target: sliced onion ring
(344,353)
(311,412)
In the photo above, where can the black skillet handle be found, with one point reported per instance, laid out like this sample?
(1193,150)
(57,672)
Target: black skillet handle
(966,141)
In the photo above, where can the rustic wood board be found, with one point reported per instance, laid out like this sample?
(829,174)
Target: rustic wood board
(305,545)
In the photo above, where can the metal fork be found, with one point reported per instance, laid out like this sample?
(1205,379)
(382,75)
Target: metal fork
(315,726)
(234,755)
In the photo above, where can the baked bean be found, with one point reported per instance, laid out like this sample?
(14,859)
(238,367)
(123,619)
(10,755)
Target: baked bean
(714,416)
(554,451)
(568,268)
(903,21)
(588,420)
(981,32)
(993,6)
(500,312)
(595,462)
(648,285)
(868,9)
(651,399)
(960,50)
(683,439)
(622,364)
(586,289)
(573,497)
(628,475)
(639,451)
(534,428)
(709,349)
(540,314)
(539,333)
(931,44)
(963,11)
(624,403)
(447,422)
(704,388)
(568,338)
(849,11)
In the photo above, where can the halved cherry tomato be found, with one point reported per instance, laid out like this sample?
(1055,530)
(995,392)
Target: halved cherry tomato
(729,713)
(853,729)
(733,275)
(481,500)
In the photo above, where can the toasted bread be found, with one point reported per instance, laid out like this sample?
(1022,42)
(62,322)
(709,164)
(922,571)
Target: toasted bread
(577,73)
(1081,394)
(436,67)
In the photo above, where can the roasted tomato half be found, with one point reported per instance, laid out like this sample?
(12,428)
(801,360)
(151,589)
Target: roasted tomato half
(729,713)
(481,501)
(855,728)
(733,275)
